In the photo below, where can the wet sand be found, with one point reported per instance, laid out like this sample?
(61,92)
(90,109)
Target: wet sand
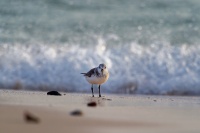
(111,114)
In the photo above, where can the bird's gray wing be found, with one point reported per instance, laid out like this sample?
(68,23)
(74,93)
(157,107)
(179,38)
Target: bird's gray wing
(90,73)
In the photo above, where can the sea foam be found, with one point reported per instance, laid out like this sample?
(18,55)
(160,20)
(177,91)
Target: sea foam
(159,68)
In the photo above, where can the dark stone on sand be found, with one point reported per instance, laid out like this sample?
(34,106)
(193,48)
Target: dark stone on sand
(55,93)
(154,100)
(28,117)
(76,113)
(92,104)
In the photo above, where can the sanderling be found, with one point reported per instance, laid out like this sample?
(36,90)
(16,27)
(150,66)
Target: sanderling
(98,75)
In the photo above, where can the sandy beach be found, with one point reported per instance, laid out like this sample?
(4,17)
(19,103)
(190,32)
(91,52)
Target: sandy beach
(113,113)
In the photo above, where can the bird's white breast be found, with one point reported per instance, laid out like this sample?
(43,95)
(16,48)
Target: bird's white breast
(97,80)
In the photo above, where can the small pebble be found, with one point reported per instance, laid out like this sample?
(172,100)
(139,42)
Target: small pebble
(107,99)
(28,117)
(55,93)
(92,104)
(76,113)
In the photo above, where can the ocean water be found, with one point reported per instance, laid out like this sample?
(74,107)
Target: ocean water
(149,46)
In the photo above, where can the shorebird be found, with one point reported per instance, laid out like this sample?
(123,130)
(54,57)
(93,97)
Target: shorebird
(98,75)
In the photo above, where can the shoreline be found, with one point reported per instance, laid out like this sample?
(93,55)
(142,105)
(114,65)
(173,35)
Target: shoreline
(113,113)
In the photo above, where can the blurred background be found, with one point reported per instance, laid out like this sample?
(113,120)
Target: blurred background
(149,46)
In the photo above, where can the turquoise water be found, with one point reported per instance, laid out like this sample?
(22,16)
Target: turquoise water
(150,46)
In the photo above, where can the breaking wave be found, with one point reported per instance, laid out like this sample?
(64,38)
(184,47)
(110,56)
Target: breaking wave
(159,68)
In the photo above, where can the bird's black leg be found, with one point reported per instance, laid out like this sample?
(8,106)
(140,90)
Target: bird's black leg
(99,91)
(92,90)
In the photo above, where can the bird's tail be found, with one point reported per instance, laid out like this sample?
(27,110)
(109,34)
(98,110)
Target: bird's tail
(83,73)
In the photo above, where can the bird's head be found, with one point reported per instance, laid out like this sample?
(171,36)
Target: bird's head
(101,68)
